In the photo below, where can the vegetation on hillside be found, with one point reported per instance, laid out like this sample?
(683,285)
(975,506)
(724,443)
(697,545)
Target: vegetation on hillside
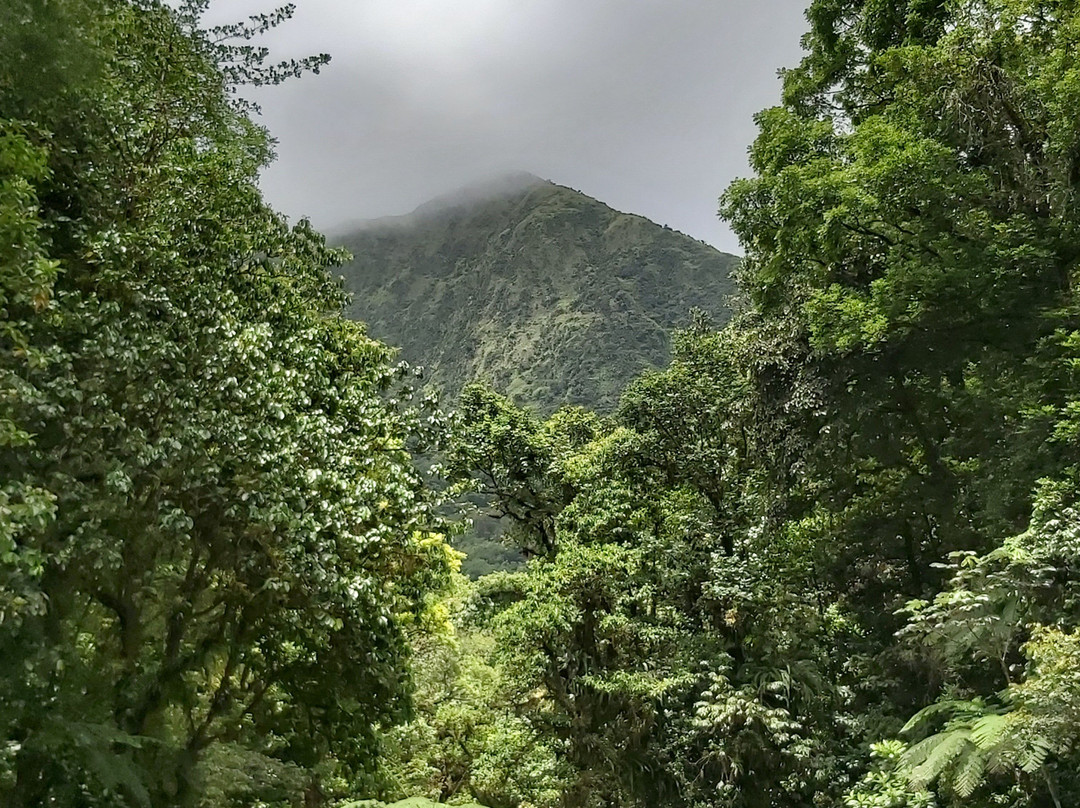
(550,296)
(826,557)
(545,293)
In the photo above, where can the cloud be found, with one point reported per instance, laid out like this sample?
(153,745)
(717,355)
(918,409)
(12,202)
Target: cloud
(646,105)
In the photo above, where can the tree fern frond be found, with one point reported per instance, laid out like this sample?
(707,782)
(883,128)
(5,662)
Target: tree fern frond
(917,754)
(950,708)
(1033,756)
(936,753)
(969,773)
(988,730)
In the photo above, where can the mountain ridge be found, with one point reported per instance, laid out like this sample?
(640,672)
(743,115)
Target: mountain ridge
(552,296)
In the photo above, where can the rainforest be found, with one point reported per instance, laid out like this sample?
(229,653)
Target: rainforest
(813,544)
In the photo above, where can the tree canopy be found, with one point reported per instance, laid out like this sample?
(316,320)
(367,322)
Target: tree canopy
(825,557)
(209,505)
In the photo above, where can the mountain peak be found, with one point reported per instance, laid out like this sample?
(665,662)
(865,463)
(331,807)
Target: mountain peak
(551,295)
(500,186)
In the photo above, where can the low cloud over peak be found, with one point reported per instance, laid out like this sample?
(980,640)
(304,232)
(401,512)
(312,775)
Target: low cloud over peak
(645,105)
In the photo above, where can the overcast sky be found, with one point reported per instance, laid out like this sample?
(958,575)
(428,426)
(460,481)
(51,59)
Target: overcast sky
(646,105)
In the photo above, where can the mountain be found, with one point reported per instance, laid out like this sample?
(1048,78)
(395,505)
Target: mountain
(551,295)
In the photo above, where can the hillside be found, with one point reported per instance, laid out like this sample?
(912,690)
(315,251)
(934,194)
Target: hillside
(551,295)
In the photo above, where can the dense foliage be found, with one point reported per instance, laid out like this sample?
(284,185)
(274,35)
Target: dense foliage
(208,506)
(826,557)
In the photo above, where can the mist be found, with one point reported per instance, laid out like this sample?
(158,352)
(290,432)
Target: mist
(646,106)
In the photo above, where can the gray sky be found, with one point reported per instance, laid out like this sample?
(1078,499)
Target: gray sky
(646,105)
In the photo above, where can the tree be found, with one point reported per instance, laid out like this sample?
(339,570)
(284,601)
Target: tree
(471,735)
(1002,637)
(912,236)
(910,222)
(671,658)
(212,523)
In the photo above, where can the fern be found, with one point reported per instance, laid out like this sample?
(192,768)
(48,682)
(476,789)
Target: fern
(988,731)
(951,708)
(969,773)
(977,740)
(929,758)
(1033,755)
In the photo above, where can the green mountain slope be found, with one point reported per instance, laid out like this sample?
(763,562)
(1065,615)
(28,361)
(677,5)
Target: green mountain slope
(549,294)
